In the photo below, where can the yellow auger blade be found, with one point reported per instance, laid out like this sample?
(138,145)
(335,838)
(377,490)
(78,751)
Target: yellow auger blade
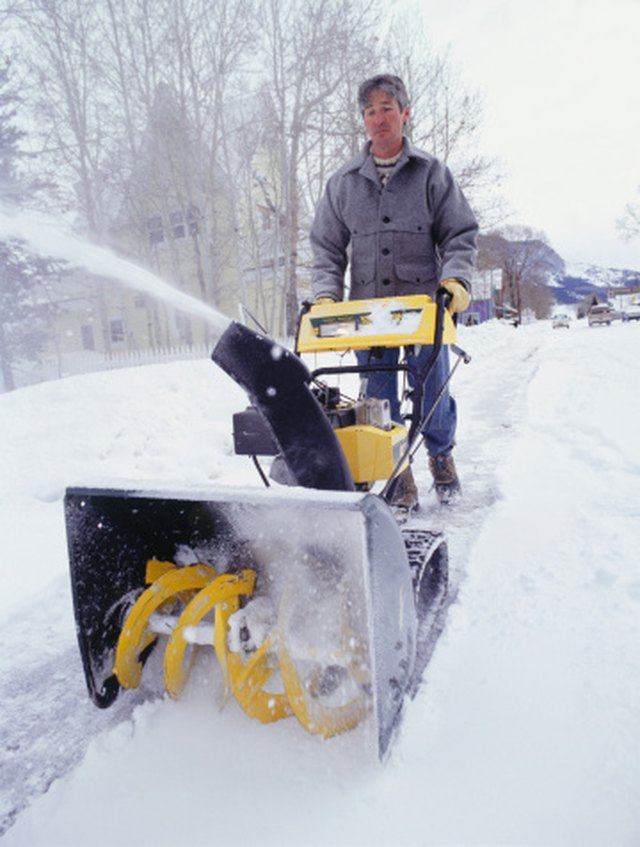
(220,630)
(156,568)
(220,590)
(318,718)
(309,705)
(247,682)
(136,635)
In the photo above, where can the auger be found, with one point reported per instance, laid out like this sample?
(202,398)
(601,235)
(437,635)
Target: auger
(176,603)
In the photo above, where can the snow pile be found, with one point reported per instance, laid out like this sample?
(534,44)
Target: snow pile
(526,732)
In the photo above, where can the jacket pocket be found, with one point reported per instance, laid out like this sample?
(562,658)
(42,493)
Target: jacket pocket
(363,259)
(414,258)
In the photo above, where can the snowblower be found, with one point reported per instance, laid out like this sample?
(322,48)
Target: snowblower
(314,599)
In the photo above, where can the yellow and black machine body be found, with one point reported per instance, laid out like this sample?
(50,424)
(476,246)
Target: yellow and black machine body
(306,600)
(376,447)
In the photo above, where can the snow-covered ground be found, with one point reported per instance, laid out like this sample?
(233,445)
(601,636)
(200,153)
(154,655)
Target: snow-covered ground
(527,730)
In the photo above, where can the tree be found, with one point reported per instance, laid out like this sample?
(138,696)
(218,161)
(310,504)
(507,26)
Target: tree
(10,137)
(115,83)
(191,53)
(22,330)
(446,116)
(527,261)
(308,45)
(97,69)
(629,224)
(69,100)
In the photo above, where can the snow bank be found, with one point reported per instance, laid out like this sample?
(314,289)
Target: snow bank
(526,732)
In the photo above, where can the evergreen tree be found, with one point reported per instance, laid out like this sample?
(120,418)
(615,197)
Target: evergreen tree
(22,275)
(10,136)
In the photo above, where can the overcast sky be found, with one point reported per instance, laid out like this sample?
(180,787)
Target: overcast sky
(560,81)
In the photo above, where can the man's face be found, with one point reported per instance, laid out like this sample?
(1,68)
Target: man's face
(384,121)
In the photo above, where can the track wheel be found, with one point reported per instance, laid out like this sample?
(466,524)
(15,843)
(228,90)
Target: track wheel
(222,590)
(136,635)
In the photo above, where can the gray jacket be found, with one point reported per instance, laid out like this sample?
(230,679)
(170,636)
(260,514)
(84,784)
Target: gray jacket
(403,238)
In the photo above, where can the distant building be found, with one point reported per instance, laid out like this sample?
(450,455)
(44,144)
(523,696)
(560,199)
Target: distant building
(485,287)
(623,297)
(176,219)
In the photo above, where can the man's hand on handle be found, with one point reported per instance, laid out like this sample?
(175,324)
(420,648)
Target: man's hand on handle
(459,297)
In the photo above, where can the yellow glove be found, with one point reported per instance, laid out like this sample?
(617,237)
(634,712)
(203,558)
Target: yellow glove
(320,301)
(460,297)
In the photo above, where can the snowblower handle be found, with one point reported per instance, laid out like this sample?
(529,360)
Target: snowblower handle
(444,295)
(418,420)
(442,299)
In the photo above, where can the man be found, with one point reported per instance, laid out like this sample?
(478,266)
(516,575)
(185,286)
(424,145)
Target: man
(399,217)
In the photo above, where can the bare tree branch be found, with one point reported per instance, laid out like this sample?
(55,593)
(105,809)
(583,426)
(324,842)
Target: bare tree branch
(629,224)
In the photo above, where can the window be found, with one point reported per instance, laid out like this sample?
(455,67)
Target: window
(155,230)
(193,215)
(266,218)
(176,219)
(86,334)
(116,329)
(181,222)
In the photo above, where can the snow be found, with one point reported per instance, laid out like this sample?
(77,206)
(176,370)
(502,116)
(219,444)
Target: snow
(50,237)
(527,729)
(387,316)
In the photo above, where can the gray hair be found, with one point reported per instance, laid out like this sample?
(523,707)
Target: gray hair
(393,85)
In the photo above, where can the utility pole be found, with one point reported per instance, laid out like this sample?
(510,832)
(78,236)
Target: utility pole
(518,298)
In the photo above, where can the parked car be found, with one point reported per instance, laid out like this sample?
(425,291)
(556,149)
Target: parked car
(600,315)
(560,321)
(631,313)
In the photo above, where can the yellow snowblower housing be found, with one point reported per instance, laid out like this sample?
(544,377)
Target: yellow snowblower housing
(374,446)
(361,324)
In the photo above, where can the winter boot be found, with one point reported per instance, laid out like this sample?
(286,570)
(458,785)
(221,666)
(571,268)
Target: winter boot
(445,478)
(405,493)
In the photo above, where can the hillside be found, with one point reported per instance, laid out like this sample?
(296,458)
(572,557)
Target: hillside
(580,280)
(533,260)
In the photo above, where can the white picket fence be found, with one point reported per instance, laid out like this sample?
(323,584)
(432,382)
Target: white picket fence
(87,361)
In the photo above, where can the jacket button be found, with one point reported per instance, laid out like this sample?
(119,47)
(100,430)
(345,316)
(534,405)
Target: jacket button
(385,251)
(386,219)
(386,282)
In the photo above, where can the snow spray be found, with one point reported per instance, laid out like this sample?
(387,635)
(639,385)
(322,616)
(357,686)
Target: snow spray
(47,237)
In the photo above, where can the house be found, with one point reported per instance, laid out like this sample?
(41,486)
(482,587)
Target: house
(486,285)
(175,219)
(216,234)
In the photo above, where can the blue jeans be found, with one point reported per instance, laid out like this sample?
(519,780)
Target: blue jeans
(440,431)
